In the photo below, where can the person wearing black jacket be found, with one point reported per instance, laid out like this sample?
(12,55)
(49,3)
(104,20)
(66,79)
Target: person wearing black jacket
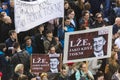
(21,56)
(39,39)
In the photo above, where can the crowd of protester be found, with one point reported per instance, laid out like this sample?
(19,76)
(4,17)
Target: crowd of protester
(48,38)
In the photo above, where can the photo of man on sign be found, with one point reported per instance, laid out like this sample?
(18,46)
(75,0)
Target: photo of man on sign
(98,44)
(54,62)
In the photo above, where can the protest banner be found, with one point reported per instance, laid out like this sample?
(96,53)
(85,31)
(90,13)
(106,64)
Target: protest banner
(31,13)
(87,44)
(45,63)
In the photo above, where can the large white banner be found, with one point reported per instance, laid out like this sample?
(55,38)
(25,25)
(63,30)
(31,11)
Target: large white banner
(31,13)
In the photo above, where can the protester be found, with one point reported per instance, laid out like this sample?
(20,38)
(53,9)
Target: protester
(21,56)
(85,22)
(63,74)
(39,40)
(22,77)
(68,26)
(94,65)
(116,76)
(66,7)
(116,26)
(29,46)
(3,61)
(99,22)
(112,66)
(44,76)
(19,70)
(10,41)
(117,40)
(49,41)
(100,75)
(83,73)
(71,16)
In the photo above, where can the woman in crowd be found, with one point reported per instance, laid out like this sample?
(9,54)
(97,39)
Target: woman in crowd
(71,15)
(99,22)
(19,70)
(112,66)
(85,22)
(66,7)
(116,75)
(99,75)
(44,76)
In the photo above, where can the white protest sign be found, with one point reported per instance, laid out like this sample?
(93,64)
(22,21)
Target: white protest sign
(87,44)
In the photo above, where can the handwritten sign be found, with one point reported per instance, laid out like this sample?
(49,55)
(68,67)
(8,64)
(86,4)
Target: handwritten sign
(31,14)
(87,44)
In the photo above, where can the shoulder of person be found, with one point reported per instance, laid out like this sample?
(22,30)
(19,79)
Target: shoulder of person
(7,40)
(114,77)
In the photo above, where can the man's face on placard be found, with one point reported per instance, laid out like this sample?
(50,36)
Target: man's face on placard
(98,44)
(54,63)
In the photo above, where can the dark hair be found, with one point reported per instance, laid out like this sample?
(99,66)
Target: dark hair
(27,38)
(66,18)
(49,31)
(84,62)
(96,15)
(66,2)
(84,12)
(63,67)
(99,74)
(118,69)
(16,45)
(113,45)
(87,6)
(51,47)
(11,31)
(69,11)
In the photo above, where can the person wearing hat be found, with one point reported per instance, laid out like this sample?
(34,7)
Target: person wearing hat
(70,68)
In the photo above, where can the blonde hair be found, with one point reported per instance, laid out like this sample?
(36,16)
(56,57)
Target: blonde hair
(43,74)
(18,67)
(80,4)
(112,60)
